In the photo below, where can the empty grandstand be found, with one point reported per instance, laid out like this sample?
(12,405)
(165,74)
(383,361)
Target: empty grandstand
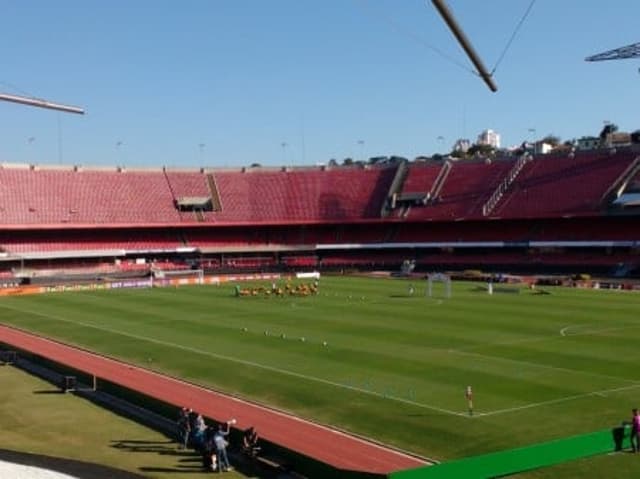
(564,212)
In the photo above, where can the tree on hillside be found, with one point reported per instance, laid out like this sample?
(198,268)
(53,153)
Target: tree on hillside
(481,150)
(347,161)
(635,136)
(458,154)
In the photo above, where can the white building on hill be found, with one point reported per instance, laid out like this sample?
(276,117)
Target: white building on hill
(489,137)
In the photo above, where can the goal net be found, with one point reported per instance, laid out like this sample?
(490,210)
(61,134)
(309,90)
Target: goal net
(439,278)
(196,275)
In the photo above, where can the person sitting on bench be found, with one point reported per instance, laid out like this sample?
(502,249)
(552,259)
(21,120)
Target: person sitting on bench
(250,442)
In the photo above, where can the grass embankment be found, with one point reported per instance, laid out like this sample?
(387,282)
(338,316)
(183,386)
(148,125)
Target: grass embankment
(36,418)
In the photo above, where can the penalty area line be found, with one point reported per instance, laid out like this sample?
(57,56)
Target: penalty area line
(596,332)
(244,362)
(600,393)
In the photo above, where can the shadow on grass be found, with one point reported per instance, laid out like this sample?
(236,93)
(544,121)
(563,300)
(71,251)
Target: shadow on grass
(190,461)
(186,460)
(48,391)
(133,441)
(147,469)
(166,448)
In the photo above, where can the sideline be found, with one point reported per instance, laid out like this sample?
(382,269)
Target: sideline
(601,393)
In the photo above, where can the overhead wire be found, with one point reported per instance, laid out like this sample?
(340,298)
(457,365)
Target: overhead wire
(17,89)
(364,4)
(513,35)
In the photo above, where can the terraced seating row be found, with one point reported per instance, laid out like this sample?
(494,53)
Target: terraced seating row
(546,187)
(558,186)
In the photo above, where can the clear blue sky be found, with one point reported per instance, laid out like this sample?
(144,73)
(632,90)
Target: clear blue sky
(240,77)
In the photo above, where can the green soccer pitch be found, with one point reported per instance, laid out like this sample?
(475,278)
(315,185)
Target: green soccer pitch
(367,357)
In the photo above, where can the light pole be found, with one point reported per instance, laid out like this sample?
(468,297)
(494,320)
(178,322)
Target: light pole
(532,132)
(440,139)
(201,149)
(284,152)
(361,144)
(30,142)
(119,144)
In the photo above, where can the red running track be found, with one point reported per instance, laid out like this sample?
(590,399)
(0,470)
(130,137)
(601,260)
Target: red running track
(324,444)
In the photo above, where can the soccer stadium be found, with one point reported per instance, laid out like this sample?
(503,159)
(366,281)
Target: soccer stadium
(270,286)
(451,316)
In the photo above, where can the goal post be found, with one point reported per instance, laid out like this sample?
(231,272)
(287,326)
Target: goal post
(439,278)
(191,276)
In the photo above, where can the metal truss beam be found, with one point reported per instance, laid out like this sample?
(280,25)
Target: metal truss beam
(630,51)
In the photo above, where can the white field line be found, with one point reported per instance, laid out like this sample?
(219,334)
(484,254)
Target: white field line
(598,331)
(540,366)
(550,337)
(601,393)
(566,328)
(244,362)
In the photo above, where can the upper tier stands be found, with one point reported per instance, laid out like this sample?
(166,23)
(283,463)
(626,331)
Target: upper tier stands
(51,196)
(303,195)
(61,197)
(420,178)
(560,186)
(547,187)
(467,187)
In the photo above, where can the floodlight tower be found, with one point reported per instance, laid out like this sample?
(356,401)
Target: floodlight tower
(622,53)
(465,43)
(38,102)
